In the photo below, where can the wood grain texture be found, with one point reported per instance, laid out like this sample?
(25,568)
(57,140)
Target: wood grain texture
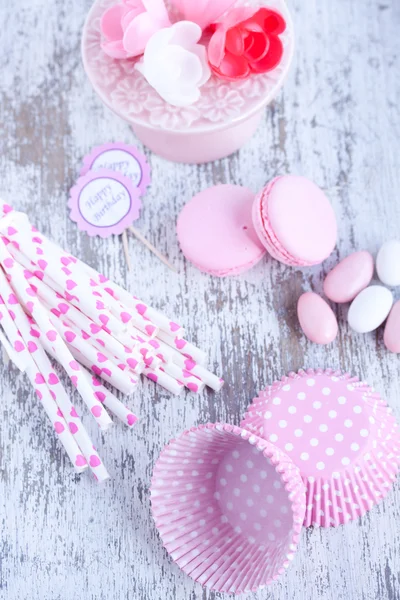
(337,121)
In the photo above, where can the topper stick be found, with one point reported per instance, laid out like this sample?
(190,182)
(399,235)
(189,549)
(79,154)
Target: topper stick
(152,249)
(126,250)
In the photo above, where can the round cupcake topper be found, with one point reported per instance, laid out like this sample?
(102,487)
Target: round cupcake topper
(121,158)
(341,435)
(104,203)
(106,199)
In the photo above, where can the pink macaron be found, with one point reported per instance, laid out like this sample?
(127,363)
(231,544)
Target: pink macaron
(216,232)
(295,221)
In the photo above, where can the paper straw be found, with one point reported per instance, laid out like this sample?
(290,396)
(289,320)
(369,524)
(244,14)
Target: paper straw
(64,269)
(108,398)
(52,293)
(69,411)
(31,268)
(143,325)
(100,362)
(142,343)
(97,370)
(61,308)
(49,404)
(151,336)
(203,374)
(131,302)
(184,347)
(49,386)
(10,352)
(163,379)
(183,376)
(30,300)
(112,403)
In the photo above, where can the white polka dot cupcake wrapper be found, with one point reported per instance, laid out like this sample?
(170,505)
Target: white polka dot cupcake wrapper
(341,435)
(229,507)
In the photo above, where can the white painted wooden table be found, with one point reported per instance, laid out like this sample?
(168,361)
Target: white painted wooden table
(337,121)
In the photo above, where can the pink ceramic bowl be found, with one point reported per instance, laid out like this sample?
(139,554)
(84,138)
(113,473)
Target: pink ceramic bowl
(225,117)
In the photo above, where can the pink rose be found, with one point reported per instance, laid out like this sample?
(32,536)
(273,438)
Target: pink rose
(127,27)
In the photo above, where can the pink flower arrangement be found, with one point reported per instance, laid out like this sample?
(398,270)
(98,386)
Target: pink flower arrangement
(244,41)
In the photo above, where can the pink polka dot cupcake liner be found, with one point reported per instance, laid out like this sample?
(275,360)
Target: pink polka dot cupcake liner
(341,435)
(229,507)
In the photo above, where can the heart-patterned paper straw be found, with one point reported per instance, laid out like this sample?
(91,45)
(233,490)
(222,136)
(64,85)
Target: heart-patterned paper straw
(53,294)
(162,351)
(89,330)
(75,424)
(120,379)
(184,347)
(131,345)
(211,380)
(131,302)
(28,296)
(145,345)
(153,362)
(99,371)
(163,379)
(190,381)
(110,401)
(117,308)
(151,336)
(9,353)
(43,391)
(83,292)
(46,380)
(188,364)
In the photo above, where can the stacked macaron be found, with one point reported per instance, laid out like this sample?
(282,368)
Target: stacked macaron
(225,230)
(295,221)
(370,305)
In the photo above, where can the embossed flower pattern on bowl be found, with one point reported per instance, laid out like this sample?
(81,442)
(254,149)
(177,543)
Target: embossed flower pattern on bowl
(126,92)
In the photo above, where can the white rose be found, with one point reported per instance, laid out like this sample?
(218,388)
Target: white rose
(175,64)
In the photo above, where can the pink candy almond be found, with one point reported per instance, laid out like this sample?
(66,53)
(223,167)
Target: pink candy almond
(392,330)
(352,275)
(317,320)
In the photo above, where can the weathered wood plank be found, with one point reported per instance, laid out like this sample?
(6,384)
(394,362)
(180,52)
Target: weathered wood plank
(338,122)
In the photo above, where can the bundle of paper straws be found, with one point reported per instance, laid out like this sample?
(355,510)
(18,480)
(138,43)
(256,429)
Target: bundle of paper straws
(53,304)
